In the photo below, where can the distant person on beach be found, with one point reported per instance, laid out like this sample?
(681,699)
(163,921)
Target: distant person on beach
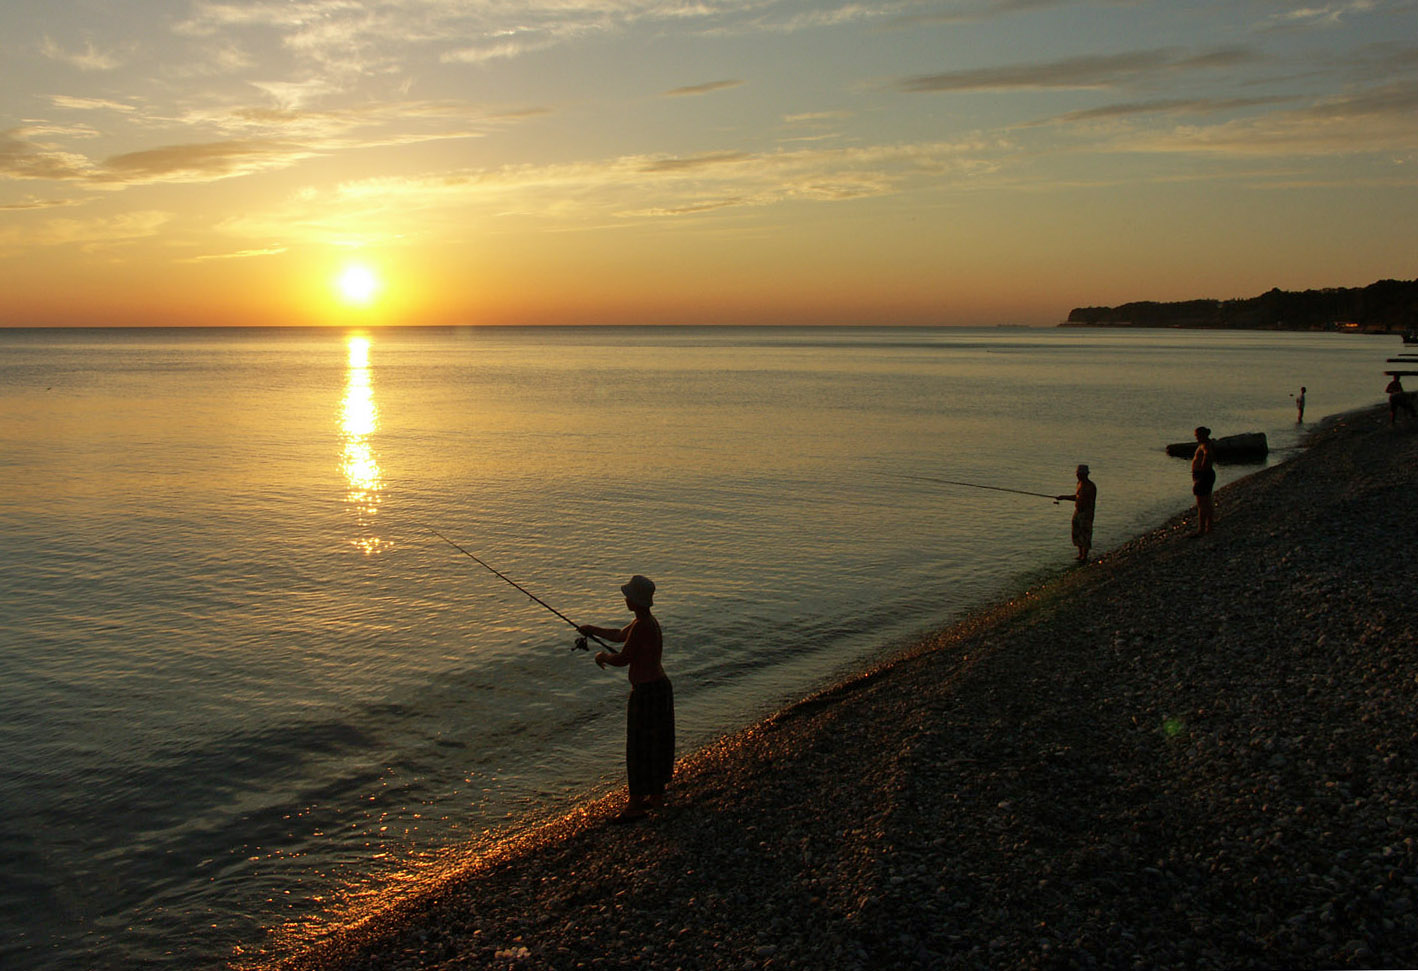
(1398,399)
(1085,498)
(1300,406)
(1203,481)
(650,713)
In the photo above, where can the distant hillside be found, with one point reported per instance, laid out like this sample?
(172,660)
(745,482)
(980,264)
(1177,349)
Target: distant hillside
(1382,307)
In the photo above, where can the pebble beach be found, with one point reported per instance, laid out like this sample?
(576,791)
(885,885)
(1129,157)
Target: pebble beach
(1189,753)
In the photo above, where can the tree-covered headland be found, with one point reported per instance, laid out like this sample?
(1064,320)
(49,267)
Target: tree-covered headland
(1388,306)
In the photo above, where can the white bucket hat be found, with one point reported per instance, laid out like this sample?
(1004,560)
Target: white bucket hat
(640,591)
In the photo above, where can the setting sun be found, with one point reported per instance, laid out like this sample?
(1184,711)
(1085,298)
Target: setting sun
(357,284)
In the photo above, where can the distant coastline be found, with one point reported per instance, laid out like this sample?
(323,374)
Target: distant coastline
(1384,307)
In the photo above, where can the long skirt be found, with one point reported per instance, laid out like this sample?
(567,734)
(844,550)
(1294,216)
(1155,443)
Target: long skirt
(1082,529)
(650,737)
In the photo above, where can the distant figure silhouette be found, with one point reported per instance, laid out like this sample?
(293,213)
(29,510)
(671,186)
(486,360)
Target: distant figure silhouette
(1300,406)
(650,713)
(1203,481)
(1398,399)
(1085,498)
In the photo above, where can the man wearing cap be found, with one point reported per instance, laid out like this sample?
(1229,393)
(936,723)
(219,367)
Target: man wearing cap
(1084,499)
(650,713)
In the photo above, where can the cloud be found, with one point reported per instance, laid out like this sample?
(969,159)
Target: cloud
(500,51)
(705,88)
(694,162)
(204,162)
(89,104)
(33,204)
(295,94)
(349,39)
(689,210)
(1174,106)
(816,117)
(988,10)
(388,123)
(1090,71)
(88,59)
(620,190)
(22,158)
(1320,15)
(240,255)
(1376,120)
(88,233)
(261,139)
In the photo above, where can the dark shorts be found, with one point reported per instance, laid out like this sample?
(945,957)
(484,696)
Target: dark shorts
(650,737)
(1203,482)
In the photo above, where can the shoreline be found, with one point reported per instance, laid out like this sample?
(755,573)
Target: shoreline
(1188,753)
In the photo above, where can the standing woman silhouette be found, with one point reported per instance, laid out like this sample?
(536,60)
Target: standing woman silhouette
(1203,481)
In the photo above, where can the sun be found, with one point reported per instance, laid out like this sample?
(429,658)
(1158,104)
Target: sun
(358,285)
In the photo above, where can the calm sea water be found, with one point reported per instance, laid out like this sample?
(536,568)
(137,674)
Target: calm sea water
(239,680)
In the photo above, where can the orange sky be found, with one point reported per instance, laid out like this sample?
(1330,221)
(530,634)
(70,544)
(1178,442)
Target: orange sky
(759,161)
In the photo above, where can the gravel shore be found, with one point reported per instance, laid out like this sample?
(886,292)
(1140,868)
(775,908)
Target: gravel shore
(1194,753)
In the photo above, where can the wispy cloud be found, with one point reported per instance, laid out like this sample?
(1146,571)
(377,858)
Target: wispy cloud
(89,104)
(501,50)
(705,161)
(983,10)
(1171,106)
(347,38)
(245,254)
(260,139)
(816,117)
(90,234)
(204,162)
(706,88)
(91,58)
(1090,71)
(1376,120)
(1320,15)
(622,190)
(21,157)
(27,205)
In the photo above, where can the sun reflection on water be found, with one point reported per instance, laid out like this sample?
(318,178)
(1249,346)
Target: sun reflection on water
(359,419)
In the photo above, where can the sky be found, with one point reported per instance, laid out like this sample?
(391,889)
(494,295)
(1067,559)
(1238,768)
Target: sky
(453,162)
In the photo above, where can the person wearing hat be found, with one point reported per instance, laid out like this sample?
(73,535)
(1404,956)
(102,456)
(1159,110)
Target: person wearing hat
(1085,497)
(650,712)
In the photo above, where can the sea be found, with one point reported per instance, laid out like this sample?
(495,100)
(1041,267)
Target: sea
(269,648)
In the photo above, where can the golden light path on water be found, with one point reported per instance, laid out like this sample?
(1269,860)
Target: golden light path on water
(359,420)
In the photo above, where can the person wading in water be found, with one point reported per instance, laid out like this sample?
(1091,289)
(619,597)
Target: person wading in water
(650,713)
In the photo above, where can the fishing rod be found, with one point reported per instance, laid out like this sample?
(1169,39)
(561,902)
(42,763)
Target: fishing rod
(580,641)
(975,485)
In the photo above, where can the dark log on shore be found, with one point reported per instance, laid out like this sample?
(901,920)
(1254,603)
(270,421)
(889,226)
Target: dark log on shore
(1248,447)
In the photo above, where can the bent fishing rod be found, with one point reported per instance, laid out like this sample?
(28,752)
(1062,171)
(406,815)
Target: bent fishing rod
(580,644)
(975,485)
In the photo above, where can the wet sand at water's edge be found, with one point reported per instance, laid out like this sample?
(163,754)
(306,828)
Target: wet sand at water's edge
(1193,753)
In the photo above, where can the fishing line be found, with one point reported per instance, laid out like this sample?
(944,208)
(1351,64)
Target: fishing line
(974,485)
(580,641)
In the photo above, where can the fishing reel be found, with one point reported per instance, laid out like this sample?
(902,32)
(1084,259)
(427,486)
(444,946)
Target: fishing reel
(580,645)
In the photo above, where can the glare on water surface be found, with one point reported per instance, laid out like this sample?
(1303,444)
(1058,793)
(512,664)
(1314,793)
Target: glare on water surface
(359,419)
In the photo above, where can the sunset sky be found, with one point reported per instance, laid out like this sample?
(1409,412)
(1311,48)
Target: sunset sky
(706,161)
